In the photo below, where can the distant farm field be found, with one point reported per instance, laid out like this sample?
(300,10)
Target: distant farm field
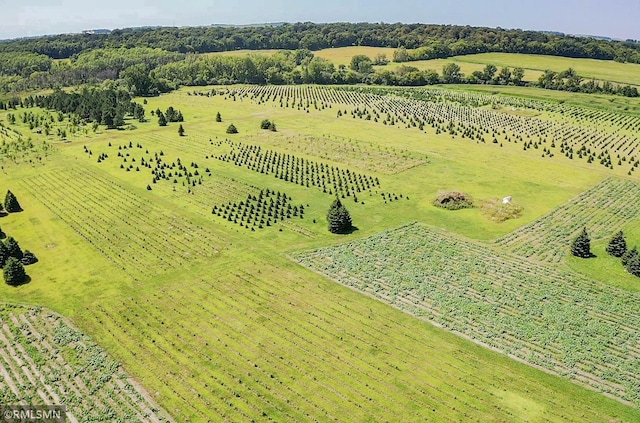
(604,70)
(343,55)
(203,264)
(534,65)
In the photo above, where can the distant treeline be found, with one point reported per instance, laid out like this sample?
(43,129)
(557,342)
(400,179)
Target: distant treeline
(127,56)
(434,41)
(26,71)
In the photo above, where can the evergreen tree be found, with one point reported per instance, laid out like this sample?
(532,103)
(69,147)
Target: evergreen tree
(4,254)
(218,117)
(171,114)
(13,248)
(581,246)
(28,258)
(265,124)
(629,255)
(633,265)
(272,127)
(617,246)
(181,131)
(14,273)
(162,121)
(339,218)
(11,203)
(232,129)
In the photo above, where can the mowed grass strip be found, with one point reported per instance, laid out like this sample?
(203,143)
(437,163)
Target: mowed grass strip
(269,342)
(137,235)
(556,320)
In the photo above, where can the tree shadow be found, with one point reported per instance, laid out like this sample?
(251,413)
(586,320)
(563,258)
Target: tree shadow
(349,231)
(26,280)
(3,213)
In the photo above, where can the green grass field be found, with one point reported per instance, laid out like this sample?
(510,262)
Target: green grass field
(217,322)
(534,65)
(604,70)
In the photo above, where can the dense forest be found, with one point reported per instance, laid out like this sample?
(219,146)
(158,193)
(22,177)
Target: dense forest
(149,61)
(438,40)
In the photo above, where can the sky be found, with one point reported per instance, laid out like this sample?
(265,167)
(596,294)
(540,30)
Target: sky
(616,18)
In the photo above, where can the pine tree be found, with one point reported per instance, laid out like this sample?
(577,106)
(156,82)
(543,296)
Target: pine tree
(339,218)
(11,203)
(581,246)
(633,265)
(218,117)
(181,131)
(4,254)
(13,248)
(629,255)
(28,258)
(618,245)
(232,129)
(14,273)
(162,121)
(272,127)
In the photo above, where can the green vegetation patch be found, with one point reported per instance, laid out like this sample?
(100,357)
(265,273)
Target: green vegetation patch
(549,318)
(499,210)
(453,200)
(47,361)
(602,210)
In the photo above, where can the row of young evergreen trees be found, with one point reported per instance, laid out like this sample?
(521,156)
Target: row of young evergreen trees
(12,258)
(617,247)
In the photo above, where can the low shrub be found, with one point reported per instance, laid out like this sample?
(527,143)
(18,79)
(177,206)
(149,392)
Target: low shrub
(453,200)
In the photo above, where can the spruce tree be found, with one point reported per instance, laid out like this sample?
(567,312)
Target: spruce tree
(339,218)
(218,117)
(14,273)
(618,245)
(633,265)
(13,248)
(11,203)
(581,246)
(162,121)
(181,131)
(629,255)
(232,129)
(4,254)
(28,258)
